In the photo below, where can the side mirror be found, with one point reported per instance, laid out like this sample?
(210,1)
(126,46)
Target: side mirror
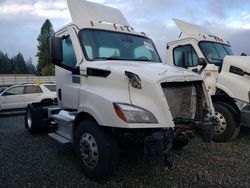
(56,56)
(202,62)
(184,59)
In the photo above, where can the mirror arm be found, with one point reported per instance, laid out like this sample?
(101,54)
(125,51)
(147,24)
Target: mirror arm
(202,69)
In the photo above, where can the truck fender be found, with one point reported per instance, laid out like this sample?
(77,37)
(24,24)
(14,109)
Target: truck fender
(224,89)
(86,113)
(222,96)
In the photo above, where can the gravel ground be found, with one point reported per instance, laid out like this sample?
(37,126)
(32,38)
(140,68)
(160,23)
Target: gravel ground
(38,161)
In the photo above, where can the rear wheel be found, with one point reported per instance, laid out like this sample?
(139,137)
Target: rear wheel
(95,149)
(34,120)
(227,126)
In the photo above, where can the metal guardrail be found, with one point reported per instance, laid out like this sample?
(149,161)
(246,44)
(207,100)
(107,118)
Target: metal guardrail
(8,80)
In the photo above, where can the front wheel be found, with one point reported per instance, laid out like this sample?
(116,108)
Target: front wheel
(227,127)
(96,150)
(34,120)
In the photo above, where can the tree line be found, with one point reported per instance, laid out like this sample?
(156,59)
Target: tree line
(18,65)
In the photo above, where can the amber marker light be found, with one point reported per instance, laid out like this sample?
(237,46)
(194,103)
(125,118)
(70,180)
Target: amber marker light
(119,113)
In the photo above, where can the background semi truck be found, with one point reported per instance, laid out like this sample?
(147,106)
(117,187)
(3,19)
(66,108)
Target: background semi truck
(112,86)
(226,75)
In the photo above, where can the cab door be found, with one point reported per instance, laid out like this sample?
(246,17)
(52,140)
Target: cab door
(13,98)
(68,72)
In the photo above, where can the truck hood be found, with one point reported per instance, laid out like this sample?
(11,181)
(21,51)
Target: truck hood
(148,71)
(191,29)
(242,62)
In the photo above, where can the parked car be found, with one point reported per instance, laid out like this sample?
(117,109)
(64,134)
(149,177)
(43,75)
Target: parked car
(18,96)
(2,89)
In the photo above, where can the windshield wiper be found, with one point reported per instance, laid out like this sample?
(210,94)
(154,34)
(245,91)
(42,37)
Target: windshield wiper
(117,58)
(142,59)
(107,58)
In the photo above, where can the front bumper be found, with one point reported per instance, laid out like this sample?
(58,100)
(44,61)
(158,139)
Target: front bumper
(205,128)
(159,144)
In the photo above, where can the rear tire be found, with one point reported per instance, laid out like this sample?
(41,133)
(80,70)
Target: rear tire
(228,127)
(96,150)
(34,120)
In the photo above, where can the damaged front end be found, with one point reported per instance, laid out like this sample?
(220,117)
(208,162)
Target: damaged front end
(188,104)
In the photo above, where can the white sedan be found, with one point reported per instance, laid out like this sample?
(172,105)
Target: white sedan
(18,96)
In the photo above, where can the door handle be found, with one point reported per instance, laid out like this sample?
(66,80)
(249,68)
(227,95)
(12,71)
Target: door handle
(60,94)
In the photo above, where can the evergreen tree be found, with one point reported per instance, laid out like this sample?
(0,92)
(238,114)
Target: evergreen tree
(44,67)
(2,63)
(30,67)
(16,65)
(19,64)
(5,64)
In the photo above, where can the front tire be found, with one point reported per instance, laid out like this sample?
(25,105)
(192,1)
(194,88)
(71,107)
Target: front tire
(227,126)
(96,150)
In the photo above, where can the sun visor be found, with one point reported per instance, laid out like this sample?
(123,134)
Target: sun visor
(82,11)
(191,29)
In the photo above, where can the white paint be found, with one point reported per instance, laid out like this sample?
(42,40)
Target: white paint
(82,11)
(190,29)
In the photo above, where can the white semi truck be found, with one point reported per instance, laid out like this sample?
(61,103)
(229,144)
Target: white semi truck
(227,76)
(111,86)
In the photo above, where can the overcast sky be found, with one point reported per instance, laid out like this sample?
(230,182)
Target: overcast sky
(20,21)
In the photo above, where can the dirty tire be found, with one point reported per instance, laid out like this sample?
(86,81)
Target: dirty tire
(228,127)
(95,149)
(34,120)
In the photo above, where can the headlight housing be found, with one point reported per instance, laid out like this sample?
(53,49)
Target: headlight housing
(133,114)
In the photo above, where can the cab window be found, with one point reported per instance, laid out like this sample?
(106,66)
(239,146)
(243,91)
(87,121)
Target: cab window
(142,50)
(69,57)
(109,52)
(185,56)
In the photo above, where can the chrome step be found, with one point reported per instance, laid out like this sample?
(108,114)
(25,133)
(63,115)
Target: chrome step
(59,138)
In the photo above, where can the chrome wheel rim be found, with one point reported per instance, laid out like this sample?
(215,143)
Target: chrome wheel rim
(221,122)
(89,150)
(29,120)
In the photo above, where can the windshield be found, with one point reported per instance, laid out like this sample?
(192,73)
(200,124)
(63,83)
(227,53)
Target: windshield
(215,52)
(108,45)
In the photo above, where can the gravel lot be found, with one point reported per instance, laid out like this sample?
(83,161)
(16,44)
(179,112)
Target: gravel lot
(38,161)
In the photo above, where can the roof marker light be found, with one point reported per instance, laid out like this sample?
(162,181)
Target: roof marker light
(127,27)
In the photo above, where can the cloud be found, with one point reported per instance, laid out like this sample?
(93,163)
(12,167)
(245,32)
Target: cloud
(46,9)
(240,42)
(21,20)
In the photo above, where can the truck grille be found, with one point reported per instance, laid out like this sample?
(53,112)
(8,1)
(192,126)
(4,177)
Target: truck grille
(181,100)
